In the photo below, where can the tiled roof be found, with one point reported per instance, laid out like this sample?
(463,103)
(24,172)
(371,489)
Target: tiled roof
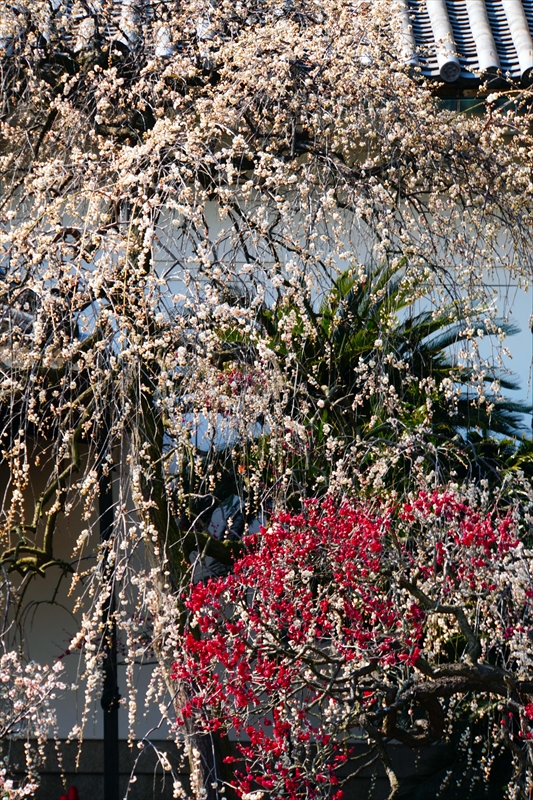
(450,40)
(83,25)
(468,39)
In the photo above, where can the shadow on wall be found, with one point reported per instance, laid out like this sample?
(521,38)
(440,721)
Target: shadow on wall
(433,771)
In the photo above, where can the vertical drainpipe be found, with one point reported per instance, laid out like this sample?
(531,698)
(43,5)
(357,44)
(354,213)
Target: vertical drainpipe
(129,23)
(110,694)
(516,19)
(163,42)
(487,55)
(447,59)
(407,37)
(86,26)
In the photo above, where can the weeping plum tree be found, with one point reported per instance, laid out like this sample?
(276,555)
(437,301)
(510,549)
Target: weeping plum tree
(172,175)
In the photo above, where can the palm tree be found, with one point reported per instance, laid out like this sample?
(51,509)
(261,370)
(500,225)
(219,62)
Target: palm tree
(370,367)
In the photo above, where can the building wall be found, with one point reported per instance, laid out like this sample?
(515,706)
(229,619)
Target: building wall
(151,780)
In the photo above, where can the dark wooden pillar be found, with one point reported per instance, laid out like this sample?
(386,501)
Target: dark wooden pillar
(110,694)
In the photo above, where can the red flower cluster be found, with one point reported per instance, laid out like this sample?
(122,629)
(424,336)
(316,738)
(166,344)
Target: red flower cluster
(323,617)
